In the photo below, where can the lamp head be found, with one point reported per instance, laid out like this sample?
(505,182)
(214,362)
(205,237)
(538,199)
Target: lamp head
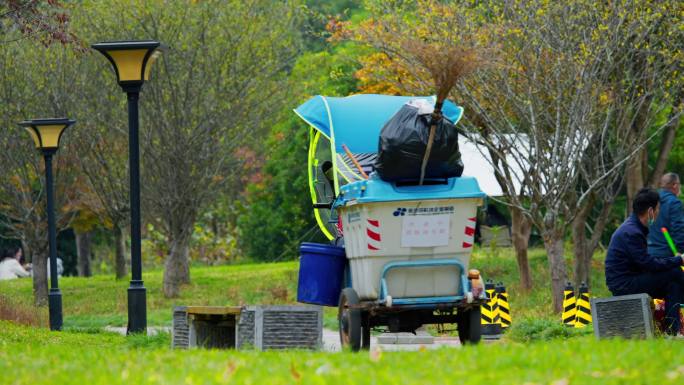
(132,60)
(46,133)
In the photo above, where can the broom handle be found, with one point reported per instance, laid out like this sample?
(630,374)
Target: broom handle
(428,149)
(353,159)
(436,116)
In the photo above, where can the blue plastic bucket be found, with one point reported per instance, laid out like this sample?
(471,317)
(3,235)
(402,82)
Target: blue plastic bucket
(321,273)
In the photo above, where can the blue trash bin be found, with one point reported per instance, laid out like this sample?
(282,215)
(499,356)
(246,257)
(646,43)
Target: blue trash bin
(321,273)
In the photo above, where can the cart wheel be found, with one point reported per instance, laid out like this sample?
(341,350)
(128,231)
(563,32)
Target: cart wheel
(469,326)
(349,320)
(365,331)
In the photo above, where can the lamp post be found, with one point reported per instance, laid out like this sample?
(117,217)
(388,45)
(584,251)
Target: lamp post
(132,61)
(46,134)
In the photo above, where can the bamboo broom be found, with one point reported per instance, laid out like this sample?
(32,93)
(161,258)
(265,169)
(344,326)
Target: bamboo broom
(446,66)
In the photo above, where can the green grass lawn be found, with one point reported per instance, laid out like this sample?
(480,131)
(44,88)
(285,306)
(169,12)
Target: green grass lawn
(101,300)
(36,356)
(537,349)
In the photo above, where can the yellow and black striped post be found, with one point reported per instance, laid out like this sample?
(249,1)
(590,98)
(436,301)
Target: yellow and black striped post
(583,317)
(504,307)
(491,326)
(569,306)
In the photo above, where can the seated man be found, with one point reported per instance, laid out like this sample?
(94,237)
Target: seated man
(631,270)
(671,216)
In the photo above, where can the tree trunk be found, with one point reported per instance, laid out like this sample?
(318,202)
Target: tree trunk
(580,242)
(521,227)
(119,252)
(637,168)
(634,178)
(553,243)
(584,248)
(644,167)
(84,252)
(40,282)
(35,245)
(177,265)
(666,142)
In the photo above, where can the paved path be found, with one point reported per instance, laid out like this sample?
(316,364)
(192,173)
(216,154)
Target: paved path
(151,331)
(331,342)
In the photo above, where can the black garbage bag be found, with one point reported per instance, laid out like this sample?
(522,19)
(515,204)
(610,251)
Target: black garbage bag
(403,140)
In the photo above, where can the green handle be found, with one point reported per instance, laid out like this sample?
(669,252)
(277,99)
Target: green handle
(669,240)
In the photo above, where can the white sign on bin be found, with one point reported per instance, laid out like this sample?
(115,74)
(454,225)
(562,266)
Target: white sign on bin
(425,230)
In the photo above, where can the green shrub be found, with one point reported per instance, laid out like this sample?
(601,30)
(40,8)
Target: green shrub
(277,214)
(277,211)
(536,329)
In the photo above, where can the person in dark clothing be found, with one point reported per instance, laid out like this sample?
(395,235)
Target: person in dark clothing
(630,269)
(671,217)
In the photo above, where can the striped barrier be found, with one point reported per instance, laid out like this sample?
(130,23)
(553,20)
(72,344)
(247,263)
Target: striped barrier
(583,317)
(504,307)
(569,306)
(491,326)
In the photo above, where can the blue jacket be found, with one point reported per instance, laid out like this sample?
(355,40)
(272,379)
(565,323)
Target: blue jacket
(628,256)
(671,216)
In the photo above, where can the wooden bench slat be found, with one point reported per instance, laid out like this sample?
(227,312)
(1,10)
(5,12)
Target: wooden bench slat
(217,310)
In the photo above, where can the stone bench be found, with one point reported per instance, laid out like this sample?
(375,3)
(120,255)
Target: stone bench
(205,326)
(256,327)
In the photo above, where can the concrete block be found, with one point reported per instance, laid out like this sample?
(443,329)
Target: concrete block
(181,330)
(627,316)
(280,327)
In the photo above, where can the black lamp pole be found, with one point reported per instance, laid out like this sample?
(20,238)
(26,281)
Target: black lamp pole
(137,303)
(55,295)
(131,61)
(46,134)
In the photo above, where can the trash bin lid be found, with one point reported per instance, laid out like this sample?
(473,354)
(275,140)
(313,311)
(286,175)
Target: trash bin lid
(320,248)
(375,189)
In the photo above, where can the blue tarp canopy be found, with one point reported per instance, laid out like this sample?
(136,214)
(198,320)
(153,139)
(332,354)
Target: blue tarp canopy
(356,120)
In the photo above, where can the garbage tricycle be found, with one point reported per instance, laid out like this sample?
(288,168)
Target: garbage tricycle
(399,253)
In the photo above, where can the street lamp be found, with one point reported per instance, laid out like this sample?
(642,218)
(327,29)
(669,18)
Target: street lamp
(46,134)
(132,61)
